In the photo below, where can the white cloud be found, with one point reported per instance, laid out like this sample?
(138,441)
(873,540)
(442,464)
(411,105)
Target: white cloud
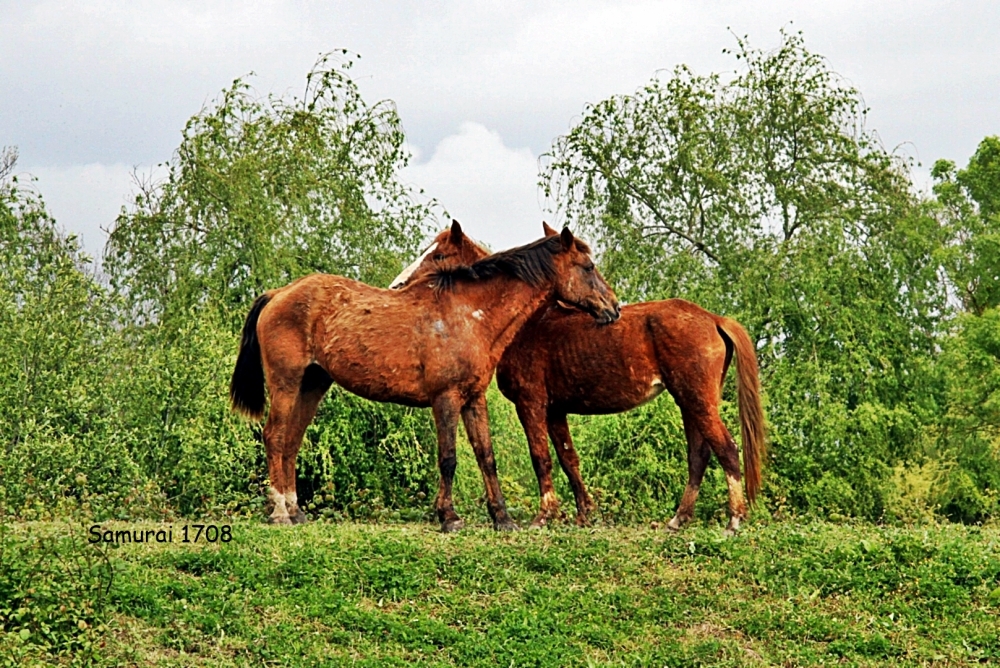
(487,186)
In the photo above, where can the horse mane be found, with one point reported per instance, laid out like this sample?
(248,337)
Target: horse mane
(532,263)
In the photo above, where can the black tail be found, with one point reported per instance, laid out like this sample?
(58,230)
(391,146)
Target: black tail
(246,389)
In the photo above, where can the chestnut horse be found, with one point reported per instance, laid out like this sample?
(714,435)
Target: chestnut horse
(435,343)
(560,363)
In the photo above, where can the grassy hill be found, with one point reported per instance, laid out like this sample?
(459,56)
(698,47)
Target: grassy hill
(352,594)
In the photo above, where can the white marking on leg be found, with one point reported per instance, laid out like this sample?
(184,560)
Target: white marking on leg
(401,280)
(737,504)
(735,488)
(278,499)
(291,500)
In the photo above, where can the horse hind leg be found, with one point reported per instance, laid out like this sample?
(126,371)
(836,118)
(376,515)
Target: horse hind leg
(279,420)
(315,382)
(722,444)
(533,421)
(562,441)
(699,453)
(729,456)
(285,365)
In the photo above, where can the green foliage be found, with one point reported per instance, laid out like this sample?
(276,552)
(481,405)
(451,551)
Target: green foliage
(367,460)
(969,201)
(53,596)
(260,192)
(761,195)
(970,439)
(636,463)
(765,198)
(114,399)
(264,191)
(58,438)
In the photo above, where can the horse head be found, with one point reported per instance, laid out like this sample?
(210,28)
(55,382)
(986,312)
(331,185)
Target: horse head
(578,282)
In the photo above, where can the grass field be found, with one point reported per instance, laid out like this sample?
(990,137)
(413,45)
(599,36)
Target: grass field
(351,594)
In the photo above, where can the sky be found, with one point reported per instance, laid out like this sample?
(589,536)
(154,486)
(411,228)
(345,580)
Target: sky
(94,92)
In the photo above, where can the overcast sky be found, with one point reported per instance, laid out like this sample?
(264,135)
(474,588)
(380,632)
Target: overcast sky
(91,90)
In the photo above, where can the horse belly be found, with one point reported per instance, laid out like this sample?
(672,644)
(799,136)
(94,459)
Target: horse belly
(611,395)
(604,371)
(378,373)
(382,384)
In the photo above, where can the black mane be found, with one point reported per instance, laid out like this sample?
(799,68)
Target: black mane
(532,263)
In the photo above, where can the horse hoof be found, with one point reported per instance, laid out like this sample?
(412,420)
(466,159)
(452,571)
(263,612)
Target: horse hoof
(539,522)
(299,517)
(506,525)
(281,519)
(451,526)
(674,525)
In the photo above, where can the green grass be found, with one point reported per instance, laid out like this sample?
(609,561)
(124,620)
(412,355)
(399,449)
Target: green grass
(338,594)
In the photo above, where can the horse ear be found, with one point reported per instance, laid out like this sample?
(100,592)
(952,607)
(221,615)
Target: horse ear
(456,233)
(549,232)
(567,238)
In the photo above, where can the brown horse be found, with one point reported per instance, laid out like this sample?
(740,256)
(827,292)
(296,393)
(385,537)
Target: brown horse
(435,343)
(560,363)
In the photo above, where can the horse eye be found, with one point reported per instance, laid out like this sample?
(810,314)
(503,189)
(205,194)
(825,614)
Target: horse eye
(589,268)
(438,257)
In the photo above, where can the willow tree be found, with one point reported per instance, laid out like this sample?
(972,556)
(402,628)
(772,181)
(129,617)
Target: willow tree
(261,191)
(763,195)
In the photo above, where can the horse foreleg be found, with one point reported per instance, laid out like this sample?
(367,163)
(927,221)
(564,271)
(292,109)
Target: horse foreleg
(445,411)
(699,453)
(562,441)
(477,426)
(533,420)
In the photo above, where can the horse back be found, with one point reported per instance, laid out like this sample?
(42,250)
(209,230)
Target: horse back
(564,358)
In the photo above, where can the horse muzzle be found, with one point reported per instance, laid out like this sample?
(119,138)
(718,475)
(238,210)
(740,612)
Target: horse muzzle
(606,316)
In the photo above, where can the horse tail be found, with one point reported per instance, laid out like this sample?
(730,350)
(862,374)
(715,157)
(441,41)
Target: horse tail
(246,389)
(751,411)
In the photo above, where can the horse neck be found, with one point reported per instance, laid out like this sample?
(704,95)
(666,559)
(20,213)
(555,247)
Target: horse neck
(509,303)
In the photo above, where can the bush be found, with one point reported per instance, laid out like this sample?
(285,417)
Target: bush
(53,594)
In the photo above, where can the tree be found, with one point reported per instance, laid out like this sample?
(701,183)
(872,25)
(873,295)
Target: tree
(969,210)
(55,366)
(765,197)
(970,213)
(263,191)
